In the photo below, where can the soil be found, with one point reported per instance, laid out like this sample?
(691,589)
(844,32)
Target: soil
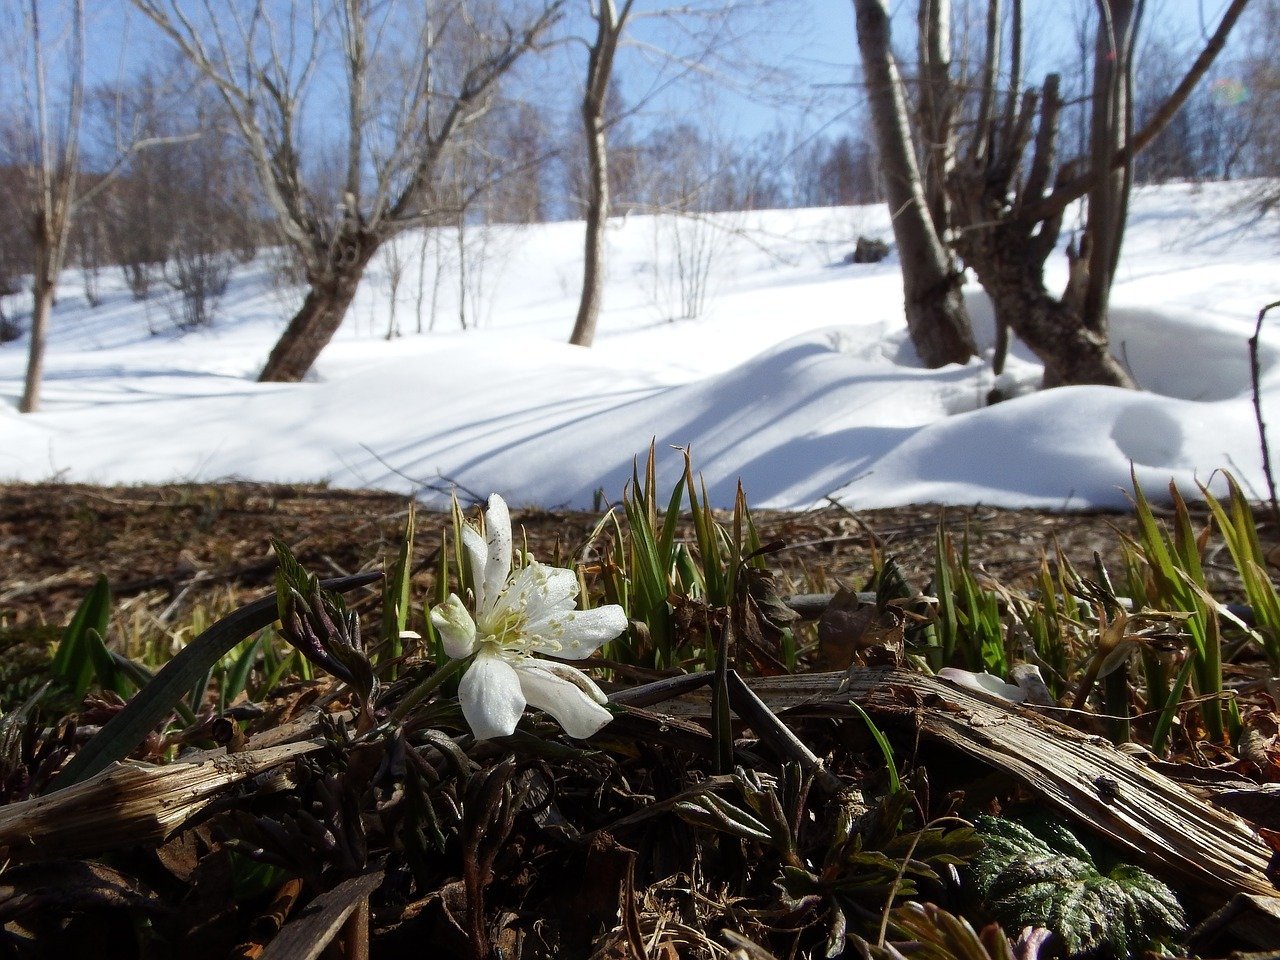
(166,549)
(178,555)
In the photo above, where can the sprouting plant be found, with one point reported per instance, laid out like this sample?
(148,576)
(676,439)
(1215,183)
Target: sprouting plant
(82,654)
(763,816)
(676,593)
(395,597)
(317,622)
(850,866)
(1178,584)
(1236,524)
(968,629)
(29,754)
(642,571)
(1049,879)
(1052,619)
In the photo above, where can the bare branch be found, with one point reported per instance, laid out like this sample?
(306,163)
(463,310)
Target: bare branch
(1077,187)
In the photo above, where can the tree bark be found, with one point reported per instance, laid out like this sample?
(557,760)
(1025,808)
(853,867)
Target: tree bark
(597,215)
(937,107)
(937,320)
(1007,226)
(1010,268)
(321,314)
(610,22)
(1112,128)
(42,291)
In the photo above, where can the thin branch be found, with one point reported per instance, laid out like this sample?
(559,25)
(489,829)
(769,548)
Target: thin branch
(1077,187)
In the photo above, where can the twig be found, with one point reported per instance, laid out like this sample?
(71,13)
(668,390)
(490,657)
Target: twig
(1254,375)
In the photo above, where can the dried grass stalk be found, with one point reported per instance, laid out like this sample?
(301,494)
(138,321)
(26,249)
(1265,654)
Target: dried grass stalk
(128,803)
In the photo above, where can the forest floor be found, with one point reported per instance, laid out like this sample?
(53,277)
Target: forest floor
(178,557)
(167,549)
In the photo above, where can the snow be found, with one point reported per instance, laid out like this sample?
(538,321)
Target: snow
(797,377)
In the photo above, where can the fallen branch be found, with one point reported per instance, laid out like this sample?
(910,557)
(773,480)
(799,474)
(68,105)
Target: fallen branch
(1209,852)
(127,804)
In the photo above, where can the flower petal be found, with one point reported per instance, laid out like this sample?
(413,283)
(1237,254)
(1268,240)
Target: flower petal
(540,593)
(497,526)
(491,697)
(456,628)
(577,634)
(477,559)
(558,585)
(569,695)
(983,683)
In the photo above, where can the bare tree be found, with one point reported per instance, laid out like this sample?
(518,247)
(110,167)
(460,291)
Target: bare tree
(1008,190)
(13,234)
(936,317)
(1258,99)
(610,21)
(52,163)
(47,148)
(690,178)
(515,143)
(412,87)
(395,260)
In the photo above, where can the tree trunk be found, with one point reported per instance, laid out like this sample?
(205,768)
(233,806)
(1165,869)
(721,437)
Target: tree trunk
(936,107)
(322,312)
(610,22)
(1004,257)
(42,290)
(936,316)
(1111,129)
(597,214)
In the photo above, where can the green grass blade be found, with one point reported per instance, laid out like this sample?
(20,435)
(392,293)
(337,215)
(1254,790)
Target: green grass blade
(1169,709)
(110,677)
(151,705)
(237,678)
(667,538)
(1185,541)
(73,660)
(395,595)
(1241,536)
(895,781)
(946,623)
(1179,582)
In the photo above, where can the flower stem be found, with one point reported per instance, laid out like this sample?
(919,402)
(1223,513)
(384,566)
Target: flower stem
(422,691)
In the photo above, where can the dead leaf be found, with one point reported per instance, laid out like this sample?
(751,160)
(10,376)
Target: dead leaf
(848,626)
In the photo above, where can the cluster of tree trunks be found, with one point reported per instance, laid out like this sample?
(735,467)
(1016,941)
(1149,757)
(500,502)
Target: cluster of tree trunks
(998,203)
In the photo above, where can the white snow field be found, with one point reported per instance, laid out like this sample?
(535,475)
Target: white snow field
(796,377)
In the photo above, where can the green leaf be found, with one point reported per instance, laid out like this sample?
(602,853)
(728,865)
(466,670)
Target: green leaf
(152,704)
(895,782)
(1050,880)
(395,594)
(110,676)
(237,678)
(73,661)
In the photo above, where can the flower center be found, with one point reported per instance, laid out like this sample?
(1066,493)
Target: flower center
(506,633)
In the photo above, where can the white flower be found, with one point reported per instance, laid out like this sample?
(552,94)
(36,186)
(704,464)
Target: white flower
(518,615)
(984,683)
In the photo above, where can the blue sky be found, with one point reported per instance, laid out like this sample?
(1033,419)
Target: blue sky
(812,40)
